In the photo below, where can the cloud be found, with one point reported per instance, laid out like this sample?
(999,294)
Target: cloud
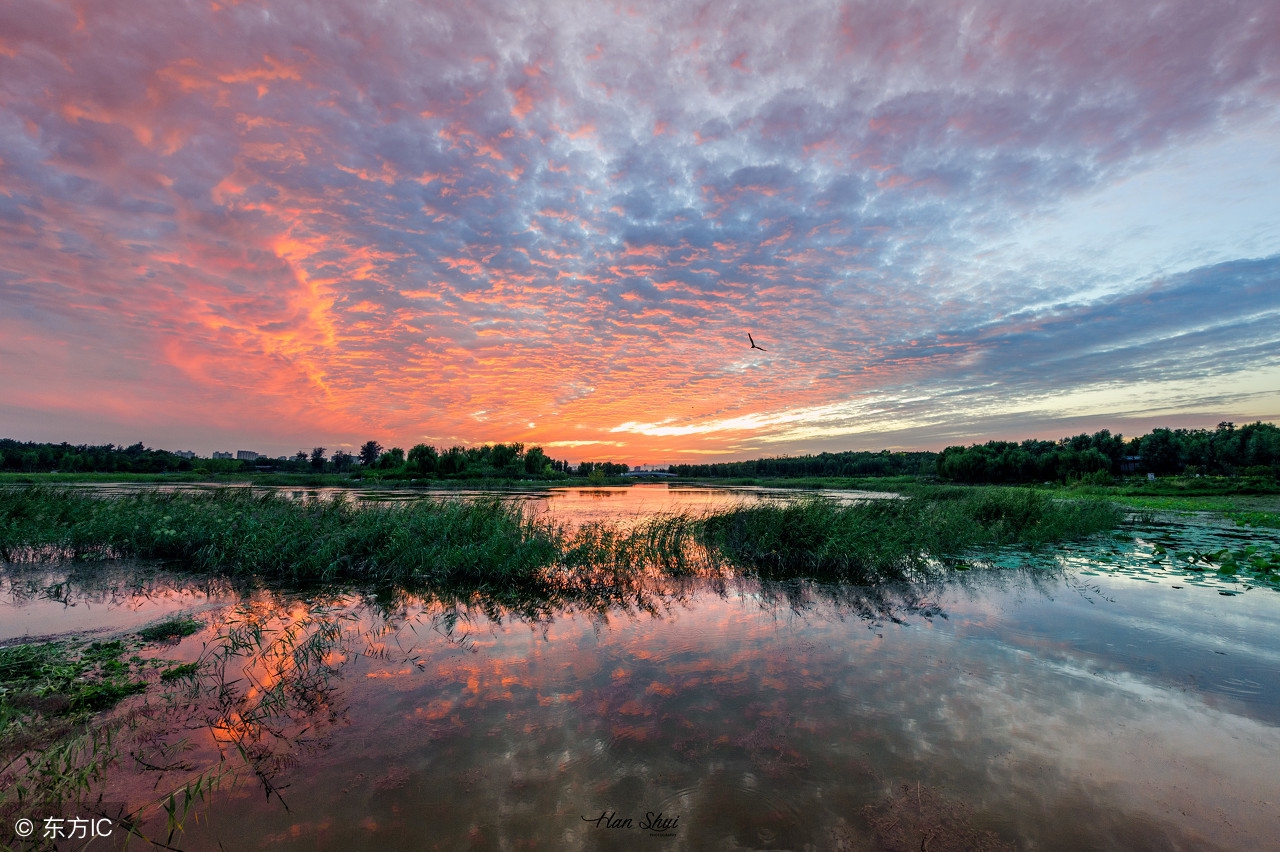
(373,220)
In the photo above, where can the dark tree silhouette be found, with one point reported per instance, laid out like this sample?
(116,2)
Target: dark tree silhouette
(422,459)
(370,453)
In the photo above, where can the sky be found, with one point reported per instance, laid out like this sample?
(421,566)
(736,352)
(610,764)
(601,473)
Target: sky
(280,225)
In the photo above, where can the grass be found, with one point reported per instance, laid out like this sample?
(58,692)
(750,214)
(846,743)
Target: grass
(172,628)
(49,694)
(487,543)
(671,542)
(238,531)
(1182,487)
(882,539)
(1230,505)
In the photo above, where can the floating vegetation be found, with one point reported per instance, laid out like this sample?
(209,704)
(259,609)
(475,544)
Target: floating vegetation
(1198,550)
(50,693)
(172,628)
(259,691)
(1260,563)
(40,683)
(1256,519)
(179,672)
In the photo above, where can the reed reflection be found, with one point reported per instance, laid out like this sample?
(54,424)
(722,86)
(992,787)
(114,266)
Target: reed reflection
(771,712)
(268,684)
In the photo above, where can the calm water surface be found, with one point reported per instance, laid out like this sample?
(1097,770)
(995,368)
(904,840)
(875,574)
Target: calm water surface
(573,506)
(1093,697)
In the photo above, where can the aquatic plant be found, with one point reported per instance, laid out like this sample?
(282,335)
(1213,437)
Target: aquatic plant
(491,543)
(261,688)
(881,539)
(1256,519)
(672,542)
(270,535)
(170,628)
(50,693)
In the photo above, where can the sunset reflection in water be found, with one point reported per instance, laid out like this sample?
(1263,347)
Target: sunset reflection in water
(1000,707)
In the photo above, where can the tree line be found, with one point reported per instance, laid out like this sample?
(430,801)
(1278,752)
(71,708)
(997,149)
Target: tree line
(851,463)
(510,461)
(31,457)
(1250,450)
(421,461)
(424,461)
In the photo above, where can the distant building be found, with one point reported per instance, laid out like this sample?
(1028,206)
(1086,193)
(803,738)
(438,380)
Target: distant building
(185,454)
(222,456)
(248,455)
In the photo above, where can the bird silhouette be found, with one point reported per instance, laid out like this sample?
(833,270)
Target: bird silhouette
(753,343)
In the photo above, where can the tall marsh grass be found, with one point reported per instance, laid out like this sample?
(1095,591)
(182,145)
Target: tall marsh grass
(262,533)
(490,543)
(886,539)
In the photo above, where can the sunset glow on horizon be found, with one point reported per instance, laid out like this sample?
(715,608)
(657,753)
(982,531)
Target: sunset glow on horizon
(275,226)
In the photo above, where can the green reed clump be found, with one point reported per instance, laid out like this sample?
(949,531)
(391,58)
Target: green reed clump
(955,519)
(817,537)
(493,544)
(671,542)
(239,531)
(886,539)
(170,628)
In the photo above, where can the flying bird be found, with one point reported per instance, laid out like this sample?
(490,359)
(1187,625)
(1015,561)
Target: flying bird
(753,343)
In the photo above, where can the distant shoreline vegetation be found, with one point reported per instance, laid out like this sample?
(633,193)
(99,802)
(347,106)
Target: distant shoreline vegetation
(1251,451)
(373,461)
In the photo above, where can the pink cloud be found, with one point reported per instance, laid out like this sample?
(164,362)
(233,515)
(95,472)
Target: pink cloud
(353,218)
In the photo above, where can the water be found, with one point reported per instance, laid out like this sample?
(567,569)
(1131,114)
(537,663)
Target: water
(622,505)
(94,599)
(1099,696)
